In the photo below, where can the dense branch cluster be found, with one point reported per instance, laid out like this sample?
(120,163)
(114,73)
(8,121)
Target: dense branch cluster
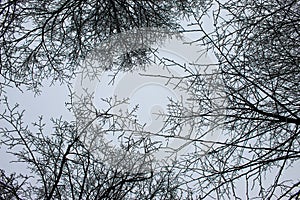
(48,40)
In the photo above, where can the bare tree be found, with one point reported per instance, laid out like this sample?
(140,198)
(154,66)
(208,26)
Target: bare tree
(49,40)
(63,167)
(254,102)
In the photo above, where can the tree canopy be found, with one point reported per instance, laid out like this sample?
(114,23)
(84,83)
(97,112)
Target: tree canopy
(249,97)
